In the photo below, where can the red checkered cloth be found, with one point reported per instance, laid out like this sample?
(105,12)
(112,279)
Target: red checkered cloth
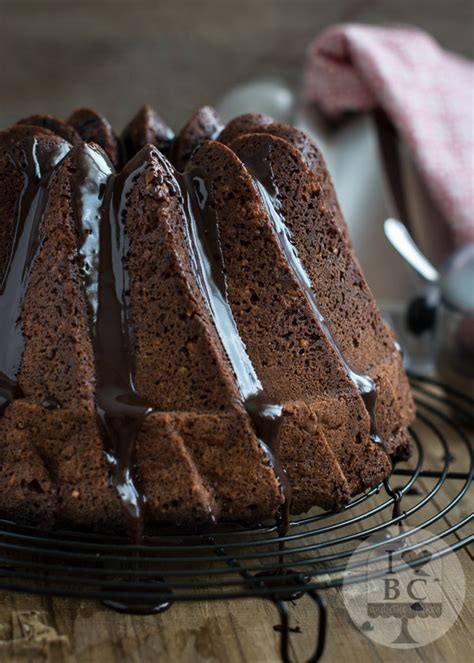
(427,92)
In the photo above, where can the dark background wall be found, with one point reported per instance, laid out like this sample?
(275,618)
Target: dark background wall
(177,54)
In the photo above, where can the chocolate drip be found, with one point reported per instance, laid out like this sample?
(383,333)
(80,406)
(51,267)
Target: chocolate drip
(396,496)
(287,587)
(51,403)
(142,607)
(133,608)
(279,628)
(261,170)
(40,163)
(9,390)
(101,200)
(209,269)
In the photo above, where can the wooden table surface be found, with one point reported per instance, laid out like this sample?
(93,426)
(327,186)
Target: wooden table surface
(36,629)
(60,54)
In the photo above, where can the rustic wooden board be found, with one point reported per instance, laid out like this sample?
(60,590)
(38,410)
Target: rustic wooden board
(38,629)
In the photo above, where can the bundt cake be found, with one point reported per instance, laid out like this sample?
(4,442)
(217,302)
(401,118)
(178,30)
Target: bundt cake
(186,336)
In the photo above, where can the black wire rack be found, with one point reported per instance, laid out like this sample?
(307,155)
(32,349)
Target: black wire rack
(236,562)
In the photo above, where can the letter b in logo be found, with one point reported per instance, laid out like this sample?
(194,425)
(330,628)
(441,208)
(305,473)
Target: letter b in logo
(392,589)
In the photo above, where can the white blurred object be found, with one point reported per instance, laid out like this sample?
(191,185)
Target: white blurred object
(455,322)
(268,96)
(457,283)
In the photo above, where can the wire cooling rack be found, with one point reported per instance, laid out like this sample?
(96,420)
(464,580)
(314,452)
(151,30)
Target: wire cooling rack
(237,562)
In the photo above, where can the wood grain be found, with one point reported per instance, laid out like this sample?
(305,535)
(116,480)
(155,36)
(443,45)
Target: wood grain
(37,629)
(222,632)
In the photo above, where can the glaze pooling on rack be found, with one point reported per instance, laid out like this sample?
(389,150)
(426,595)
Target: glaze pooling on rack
(261,170)
(100,200)
(287,587)
(202,230)
(39,165)
(141,607)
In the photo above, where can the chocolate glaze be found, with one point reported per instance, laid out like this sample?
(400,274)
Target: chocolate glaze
(100,200)
(37,169)
(9,390)
(202,229)
(261,170)
(286,588)
(413,490)
(51,403)
(396,495)
(279,628)
(137,608)
(141,607)
(418,606)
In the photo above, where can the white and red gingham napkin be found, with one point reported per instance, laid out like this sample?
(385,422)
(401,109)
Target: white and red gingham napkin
(427,92)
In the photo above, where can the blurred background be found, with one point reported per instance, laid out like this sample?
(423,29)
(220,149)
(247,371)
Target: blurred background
(56,55)
(178,55)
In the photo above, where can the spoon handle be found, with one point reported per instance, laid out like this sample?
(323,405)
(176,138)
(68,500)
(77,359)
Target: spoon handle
(402,241)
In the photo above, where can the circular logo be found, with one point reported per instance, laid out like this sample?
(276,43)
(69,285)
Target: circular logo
(403,588)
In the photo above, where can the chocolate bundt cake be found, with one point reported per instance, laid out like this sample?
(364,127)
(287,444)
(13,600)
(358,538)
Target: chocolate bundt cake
(186,336)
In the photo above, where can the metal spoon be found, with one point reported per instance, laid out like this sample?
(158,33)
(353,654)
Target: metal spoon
(403,242)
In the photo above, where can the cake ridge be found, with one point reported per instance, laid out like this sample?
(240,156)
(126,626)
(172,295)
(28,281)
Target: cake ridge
(272,313)
(157,212)
(202,230)
(253,123)
(31,206)
(204,125)
(260,167)
(146,128)
(120,410)
(311,206)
